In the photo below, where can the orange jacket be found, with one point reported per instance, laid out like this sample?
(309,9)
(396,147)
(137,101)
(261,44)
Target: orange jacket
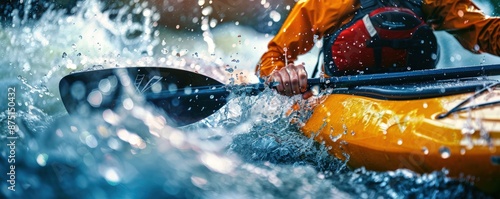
(313,18)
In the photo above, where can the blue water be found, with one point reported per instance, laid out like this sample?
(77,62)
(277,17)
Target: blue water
(248,149)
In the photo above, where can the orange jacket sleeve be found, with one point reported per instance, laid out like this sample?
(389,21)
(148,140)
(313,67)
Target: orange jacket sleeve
(313,18)
(463,19)
(307,20)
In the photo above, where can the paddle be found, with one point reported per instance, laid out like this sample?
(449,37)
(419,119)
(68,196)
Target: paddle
(187,97)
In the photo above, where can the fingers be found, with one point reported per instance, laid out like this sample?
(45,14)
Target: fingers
(277,78)
(302,77)
(307,94)
(289,79)
(283,78)
(292,80)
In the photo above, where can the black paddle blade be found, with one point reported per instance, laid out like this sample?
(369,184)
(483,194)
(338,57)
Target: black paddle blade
(185,97)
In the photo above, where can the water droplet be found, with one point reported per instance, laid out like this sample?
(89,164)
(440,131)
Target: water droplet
(78,90)
(211,96)
(95,98)
(400,142)
(335,138)
(425,150)
(91,141)
(434,56)
(425,105)
(111,176)
(164,51)
(172,88)
(275,16)
(114,144)
(476,48)
(128,104)
(41,159)
(207,11)
(467,130)
(443,90)
(462,151)
(64,55)
(445,152)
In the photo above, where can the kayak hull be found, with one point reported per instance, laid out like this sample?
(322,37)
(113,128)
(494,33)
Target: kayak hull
(384,135)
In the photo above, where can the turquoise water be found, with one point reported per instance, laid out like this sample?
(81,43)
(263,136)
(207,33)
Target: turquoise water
(246,150)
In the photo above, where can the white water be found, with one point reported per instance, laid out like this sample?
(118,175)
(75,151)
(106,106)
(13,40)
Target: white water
(247,150)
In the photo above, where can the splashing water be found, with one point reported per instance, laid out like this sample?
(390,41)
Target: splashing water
(248,149)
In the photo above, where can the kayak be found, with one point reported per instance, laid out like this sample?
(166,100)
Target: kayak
(425,121)
(425,127)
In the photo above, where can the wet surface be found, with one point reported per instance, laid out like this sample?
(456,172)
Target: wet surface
(248,149)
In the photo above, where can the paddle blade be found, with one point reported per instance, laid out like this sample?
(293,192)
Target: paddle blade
(185,97)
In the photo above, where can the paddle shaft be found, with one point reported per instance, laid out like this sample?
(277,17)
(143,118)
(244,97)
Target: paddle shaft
(343,81)
(408,76)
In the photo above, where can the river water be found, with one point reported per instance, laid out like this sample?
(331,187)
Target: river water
(246,150)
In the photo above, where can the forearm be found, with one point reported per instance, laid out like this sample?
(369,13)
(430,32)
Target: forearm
(489,36)
(307,20)
(474,30)
(270,61)
(295,37)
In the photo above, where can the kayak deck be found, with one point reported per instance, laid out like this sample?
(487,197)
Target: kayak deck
(390,127)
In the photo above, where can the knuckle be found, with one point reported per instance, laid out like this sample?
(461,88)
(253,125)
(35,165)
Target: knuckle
(303,75)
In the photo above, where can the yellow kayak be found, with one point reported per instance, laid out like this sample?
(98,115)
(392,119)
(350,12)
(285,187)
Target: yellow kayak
(425,127)
(448,123)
